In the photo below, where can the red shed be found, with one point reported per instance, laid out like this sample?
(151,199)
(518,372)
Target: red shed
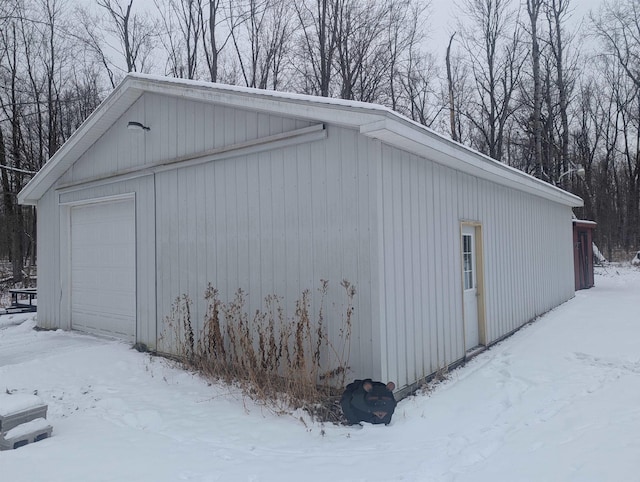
(583,253)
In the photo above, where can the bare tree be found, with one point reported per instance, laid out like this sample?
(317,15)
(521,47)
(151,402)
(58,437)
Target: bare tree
(35,100)
(212,51)
(12,172)
(460,94)
(408,73)
(318,43)
(360,58)
(373,48)
(216,33)
(451,92)
(54,55)
(618,28)
(90,35)
(135,32)
(183,28)
(596,114)
(261,31)
(557,12)
(533,10)
(495,58)
(420,97)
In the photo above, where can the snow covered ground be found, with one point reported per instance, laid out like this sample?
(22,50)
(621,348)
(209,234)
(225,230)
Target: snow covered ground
(558,401)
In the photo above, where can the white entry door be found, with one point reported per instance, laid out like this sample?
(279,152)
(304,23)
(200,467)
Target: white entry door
(470,287)
(103,268)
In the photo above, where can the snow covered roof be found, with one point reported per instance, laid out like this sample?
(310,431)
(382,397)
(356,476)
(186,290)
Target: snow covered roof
(372,120)
(584,222)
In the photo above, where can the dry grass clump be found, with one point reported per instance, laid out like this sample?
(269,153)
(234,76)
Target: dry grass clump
(286,363)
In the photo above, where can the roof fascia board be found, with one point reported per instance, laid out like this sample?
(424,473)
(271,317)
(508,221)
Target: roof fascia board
(434,147)
(322,110)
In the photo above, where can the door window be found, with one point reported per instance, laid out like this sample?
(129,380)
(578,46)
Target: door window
(467,258)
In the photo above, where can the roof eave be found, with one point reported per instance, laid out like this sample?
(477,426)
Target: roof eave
(324,109)
(430,145)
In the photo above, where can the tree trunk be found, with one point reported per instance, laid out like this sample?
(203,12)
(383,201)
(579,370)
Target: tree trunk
(452,107)
(533,9)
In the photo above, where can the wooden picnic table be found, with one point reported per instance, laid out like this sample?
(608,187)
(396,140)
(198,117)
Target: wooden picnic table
(23,298)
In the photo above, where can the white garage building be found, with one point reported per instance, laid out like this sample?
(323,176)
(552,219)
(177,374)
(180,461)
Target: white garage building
(171,184)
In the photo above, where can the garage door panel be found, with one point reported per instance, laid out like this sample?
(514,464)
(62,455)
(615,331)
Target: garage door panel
(103,276)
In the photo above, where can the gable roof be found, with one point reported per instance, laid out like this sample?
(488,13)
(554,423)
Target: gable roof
(372,120)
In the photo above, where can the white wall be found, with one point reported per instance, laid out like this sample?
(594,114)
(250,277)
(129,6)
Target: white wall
(528,264)
(178,127)
(275,222)
(48,245)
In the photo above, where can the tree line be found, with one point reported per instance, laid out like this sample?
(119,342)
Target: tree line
(522,81)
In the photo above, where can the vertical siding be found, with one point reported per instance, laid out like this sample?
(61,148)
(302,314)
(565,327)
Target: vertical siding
(368,296)
(275,222)
(49,262)
(420,244)
(528,267)
(527,270)
(179,128)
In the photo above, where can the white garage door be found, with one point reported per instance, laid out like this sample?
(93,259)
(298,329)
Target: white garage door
(103,268)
